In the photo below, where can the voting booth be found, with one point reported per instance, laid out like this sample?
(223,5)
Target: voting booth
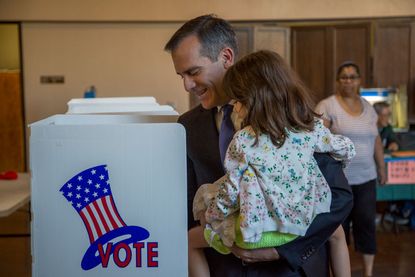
(109,195)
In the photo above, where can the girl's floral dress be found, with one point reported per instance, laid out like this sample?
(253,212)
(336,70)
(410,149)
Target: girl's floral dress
(271,189)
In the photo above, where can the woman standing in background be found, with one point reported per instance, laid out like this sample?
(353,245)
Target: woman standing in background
(348,114)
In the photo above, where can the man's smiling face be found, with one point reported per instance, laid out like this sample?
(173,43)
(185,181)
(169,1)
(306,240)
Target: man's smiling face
(200,75)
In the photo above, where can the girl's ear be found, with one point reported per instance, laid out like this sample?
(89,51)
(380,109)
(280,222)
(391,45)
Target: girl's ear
(228,57)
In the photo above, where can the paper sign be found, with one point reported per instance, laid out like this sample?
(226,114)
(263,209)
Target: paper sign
(401,172)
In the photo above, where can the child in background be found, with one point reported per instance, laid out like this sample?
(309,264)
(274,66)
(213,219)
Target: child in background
(273,188)
(387,135)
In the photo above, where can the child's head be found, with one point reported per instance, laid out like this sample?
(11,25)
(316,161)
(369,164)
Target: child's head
(384,113)
(272,94)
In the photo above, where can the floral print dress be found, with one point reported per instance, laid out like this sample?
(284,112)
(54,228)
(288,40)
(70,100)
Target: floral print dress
(269,188)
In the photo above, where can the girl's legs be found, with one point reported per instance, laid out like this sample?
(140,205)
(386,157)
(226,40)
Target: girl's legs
(339,254)
(198,266)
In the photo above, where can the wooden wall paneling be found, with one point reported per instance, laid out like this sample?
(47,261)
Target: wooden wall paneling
(317,51)
(273,38)
(245,38)
(330,62)
(391,54)
(309,54)
(393,58)
(352,43)
(411,86)
(12,146)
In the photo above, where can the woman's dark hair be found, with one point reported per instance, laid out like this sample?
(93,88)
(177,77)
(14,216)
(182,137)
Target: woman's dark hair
(275,98)
(347,64)
(213,33)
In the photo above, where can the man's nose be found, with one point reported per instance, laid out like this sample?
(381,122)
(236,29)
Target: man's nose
(189,83)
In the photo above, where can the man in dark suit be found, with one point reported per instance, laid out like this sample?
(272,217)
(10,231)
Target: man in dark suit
(202,50)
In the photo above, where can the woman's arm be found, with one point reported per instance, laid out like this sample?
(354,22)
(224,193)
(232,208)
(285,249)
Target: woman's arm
(327,123)
(380,162)
(322,109)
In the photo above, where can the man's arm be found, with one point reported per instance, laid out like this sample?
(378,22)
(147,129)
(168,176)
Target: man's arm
(191,178)
(191,191)
(297,252)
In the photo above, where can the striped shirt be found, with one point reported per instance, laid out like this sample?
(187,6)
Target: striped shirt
(362,130)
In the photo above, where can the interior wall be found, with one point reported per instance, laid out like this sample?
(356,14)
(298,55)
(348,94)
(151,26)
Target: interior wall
(87,43)
(9,47)
(179,10)
(126,59)
(123,59)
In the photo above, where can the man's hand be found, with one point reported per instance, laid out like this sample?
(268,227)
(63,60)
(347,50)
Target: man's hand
(393,146)
(255,255)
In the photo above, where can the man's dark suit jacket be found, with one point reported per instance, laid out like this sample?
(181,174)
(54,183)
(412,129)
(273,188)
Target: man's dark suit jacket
(303,256)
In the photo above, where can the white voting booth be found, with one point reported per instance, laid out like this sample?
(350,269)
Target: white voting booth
(109,191)
(147,105)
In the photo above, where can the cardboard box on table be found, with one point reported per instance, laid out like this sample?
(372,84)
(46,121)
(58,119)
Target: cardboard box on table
(125,176)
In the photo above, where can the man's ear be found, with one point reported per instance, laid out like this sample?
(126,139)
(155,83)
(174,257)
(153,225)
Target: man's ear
(227,56)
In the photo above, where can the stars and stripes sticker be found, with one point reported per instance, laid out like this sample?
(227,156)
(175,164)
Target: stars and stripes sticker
(89,193)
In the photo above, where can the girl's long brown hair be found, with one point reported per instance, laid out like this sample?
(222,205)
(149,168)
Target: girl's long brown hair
(275,98)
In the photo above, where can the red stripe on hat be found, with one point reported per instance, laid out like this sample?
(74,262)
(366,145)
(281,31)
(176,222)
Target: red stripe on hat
(94,221)
(107,211)
(101,216)
(116,212)
(87,225)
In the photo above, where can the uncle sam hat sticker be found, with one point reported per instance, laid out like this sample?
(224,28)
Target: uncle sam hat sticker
(89,193)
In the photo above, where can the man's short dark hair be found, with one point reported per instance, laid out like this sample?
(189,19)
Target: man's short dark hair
(213,33)
(347,64)
(380,106)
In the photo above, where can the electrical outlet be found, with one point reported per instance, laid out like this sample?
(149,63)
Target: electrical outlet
(54,79)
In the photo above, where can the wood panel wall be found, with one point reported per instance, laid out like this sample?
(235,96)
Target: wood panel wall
(12,146)
(394,58)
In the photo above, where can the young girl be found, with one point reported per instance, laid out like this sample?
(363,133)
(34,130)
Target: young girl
(273,188)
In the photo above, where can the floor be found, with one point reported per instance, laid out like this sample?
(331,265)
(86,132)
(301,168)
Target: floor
(396,256)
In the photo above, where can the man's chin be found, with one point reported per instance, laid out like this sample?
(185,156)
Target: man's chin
(206,105)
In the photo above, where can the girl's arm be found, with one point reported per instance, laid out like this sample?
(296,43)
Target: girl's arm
(226,201)
(340,147)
